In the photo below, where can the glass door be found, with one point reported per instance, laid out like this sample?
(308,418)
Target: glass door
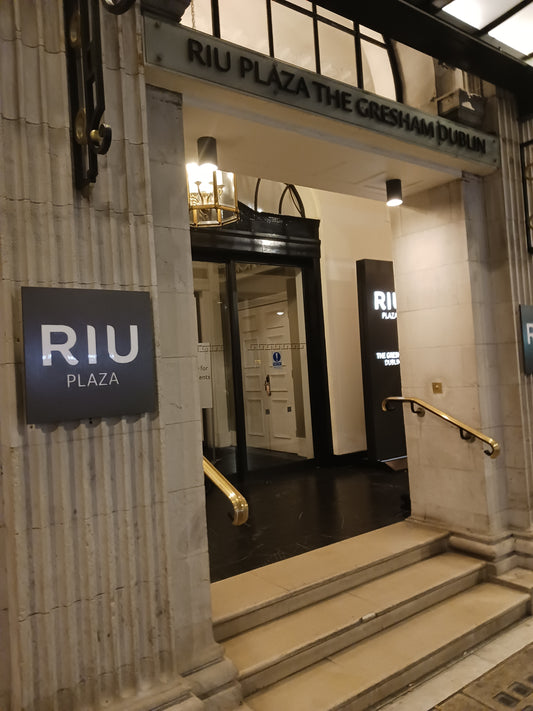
(252,365)
(275,382)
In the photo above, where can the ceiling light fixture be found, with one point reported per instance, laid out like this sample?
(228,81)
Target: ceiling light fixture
(394,192)
(211,192)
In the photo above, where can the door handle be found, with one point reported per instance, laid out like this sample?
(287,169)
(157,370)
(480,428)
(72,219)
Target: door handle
(267,385)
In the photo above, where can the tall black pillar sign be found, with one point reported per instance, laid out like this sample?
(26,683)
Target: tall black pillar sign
(87,353)
(380,358)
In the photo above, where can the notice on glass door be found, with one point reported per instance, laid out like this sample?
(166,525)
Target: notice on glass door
(204,375)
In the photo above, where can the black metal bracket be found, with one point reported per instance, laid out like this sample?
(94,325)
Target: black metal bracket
(526,164)
(90,136)
(467,436)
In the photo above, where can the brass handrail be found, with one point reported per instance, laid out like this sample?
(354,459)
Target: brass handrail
(467,433)
(239,503)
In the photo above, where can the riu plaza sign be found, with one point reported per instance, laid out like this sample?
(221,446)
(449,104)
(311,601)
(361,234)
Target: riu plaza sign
(87,353)
(204,57)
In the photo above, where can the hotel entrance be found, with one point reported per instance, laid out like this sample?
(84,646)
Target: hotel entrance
(261,357)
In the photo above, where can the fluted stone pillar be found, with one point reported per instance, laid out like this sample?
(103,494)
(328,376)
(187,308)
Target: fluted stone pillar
(104,588)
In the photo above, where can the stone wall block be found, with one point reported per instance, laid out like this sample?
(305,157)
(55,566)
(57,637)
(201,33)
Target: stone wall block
(9,88)
(178,388)
(110,46)
(12,385)
(136,167)
(31,107)
(35,148)
(197,647)
(128,123)
(5,660)
(12,180)
(28,22)
(190,534)
(433,248)
(7,21)
(130,43)
(112,192)
(183,461)
(10,325)
(51,28)
(178,339)
(174,274)
(170,206)
(60,170)
(69,252)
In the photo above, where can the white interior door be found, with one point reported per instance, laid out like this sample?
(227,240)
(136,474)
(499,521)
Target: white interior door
(268,376)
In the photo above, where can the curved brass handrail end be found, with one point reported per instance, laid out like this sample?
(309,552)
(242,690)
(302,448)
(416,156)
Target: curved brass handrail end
(495,452)
(239,503)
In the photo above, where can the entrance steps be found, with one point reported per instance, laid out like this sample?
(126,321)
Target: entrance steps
(348,625)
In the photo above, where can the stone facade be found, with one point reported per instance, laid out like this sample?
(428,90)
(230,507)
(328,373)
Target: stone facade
(104,577)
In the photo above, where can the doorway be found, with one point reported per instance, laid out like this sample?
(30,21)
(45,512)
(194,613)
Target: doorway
(253,364)
(274,360)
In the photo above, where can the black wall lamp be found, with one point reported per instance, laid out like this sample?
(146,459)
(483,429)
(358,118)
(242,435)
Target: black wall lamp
(90,136)
(394,192)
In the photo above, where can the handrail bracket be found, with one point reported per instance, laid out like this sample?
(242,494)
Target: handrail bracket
(417,410)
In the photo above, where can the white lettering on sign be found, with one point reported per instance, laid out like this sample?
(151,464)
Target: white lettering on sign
(64,348)
(385,300)
(389,357)
(94,379)
(529,333)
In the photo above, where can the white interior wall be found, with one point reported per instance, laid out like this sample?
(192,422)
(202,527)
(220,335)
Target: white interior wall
(350,229)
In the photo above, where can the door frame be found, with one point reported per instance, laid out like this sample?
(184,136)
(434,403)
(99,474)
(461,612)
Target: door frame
(264,238)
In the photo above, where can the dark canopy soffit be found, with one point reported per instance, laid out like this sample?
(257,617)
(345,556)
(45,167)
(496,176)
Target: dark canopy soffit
(436,37)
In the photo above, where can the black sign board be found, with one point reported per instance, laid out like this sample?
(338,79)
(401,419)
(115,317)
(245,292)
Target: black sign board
(87,353)
(380,358)
(526,321)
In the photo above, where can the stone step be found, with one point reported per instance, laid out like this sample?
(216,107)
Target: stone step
(245,601)
(365,674)
(268,653)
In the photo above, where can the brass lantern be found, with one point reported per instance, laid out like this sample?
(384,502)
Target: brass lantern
(211,192)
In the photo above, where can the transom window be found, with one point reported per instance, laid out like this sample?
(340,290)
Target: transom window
(302,33)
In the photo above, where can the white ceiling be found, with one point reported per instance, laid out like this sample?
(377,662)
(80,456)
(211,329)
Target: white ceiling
(268,140)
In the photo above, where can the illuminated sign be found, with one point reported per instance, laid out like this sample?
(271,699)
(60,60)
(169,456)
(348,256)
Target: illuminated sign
(87,353)
(380,358)
(191,53)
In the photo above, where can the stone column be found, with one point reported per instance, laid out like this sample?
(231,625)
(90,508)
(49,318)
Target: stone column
(449,306)
(104,588)
(513,266)
(199,658)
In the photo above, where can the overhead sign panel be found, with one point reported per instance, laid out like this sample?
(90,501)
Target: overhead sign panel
(198,55)
(87,353)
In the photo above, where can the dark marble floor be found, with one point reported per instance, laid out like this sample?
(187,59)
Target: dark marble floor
(296,508)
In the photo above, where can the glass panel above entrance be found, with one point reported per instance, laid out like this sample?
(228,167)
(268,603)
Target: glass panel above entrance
(274,364)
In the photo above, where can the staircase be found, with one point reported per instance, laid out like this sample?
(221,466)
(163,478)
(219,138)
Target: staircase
(348,625)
